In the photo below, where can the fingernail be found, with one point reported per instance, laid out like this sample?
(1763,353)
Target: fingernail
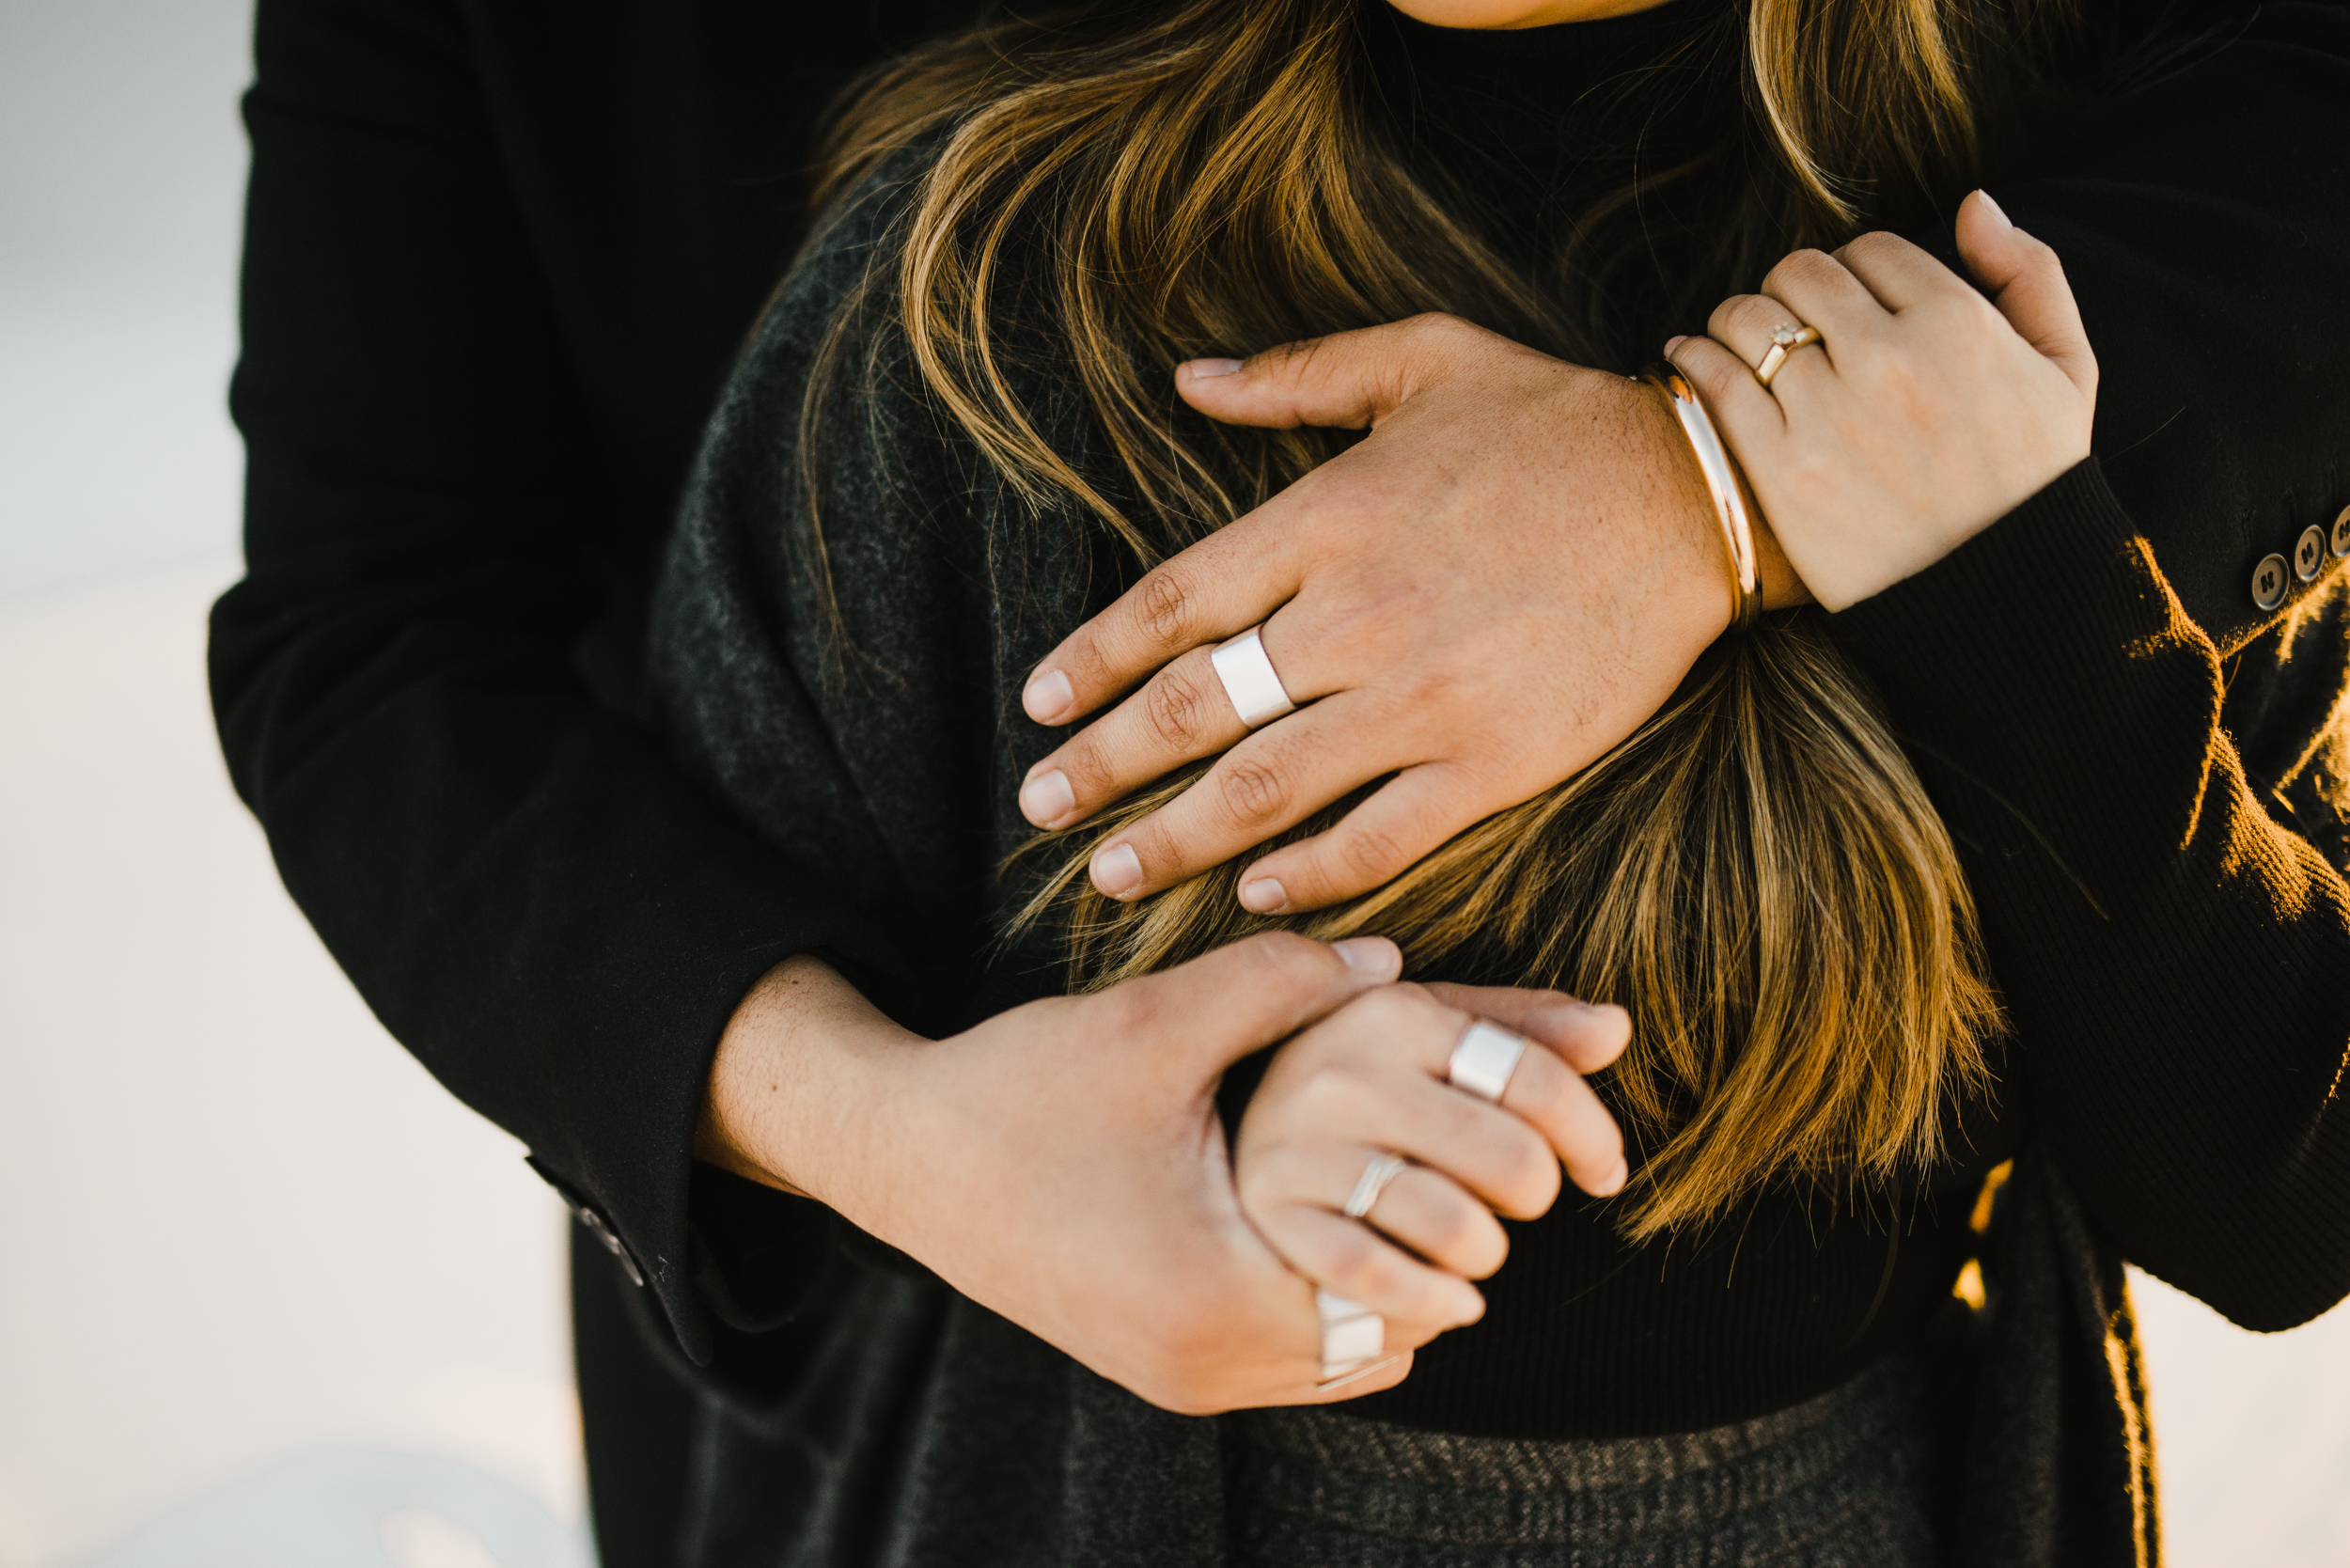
(1673,343)
(1047,697)
(1614,1182)
(1264,896)
(1466,1310)
(1118,870)
(1370,955)
(1204,369)
(1045,799)
(1997,211)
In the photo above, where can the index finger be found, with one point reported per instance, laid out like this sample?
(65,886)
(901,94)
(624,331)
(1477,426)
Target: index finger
(1231,580)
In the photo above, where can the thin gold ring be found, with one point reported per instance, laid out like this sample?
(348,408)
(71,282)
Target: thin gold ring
(1785,340)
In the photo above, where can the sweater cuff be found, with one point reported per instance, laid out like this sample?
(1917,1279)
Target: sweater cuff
(2052,585)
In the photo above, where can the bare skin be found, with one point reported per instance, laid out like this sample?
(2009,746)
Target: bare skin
(1159,1268)
(1582,570)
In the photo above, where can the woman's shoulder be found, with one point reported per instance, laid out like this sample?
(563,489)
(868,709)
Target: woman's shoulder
(831,375)
(843,282)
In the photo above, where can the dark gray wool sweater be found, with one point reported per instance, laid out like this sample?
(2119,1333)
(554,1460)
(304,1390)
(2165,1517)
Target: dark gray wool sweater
(2157,852)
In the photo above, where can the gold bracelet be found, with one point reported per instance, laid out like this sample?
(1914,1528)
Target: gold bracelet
(1721,482)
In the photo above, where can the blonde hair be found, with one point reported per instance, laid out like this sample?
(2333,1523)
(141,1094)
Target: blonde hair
(1756,873)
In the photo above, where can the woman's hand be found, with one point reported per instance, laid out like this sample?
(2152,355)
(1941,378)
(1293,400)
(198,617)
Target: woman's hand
(1502,581)
(1369,1080)
(1062,1163)
(1927,413)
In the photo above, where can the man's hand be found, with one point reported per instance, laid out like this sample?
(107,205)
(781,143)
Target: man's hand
(1501,582)
(1063,1163)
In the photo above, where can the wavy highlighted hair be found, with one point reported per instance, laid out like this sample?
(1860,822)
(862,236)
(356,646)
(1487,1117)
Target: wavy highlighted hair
(1756,873)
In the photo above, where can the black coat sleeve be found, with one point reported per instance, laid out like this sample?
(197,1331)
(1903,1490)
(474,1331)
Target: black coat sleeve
(524,889)
(2144,768)
(2201,215)
(2172,948)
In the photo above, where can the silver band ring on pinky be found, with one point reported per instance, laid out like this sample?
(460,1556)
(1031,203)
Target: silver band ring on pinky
(1485,1060)
(1352,1336)
(1249,680)
(1383,1168)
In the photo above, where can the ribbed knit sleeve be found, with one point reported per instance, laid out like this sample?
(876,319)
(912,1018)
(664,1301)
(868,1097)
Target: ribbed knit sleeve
(2172,948)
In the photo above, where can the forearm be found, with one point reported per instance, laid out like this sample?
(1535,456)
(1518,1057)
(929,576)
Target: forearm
(2170,955)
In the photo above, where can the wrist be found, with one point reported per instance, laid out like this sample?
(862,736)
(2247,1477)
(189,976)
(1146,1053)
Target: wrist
(1695,565)
(800,1058)
(1776,584)
(1774,574)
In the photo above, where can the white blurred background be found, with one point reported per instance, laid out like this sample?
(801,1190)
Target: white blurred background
(260,1277)
(269,1298)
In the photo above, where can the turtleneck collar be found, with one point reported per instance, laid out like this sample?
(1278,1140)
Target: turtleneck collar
(1549,115)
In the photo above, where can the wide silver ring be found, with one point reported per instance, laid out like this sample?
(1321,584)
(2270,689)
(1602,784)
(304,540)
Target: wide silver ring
(1352,1336)
(1257,693)
(1383,1168)
(1484,1060)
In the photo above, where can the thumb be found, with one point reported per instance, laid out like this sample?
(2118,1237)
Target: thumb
(2027,284)
(1349,379)
(1255,992)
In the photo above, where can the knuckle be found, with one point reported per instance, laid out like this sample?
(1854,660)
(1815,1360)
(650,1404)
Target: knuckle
(1177,708)
(1287,960)
(1281,356)
(1531,1177)
(1714,378)
(1087,766)
(1368,854)
(1359,1265)
(1084,655)
(1261,1172)
(1970,314)
(1450,1220)
(1165,604)
(1467,1235)
(1330,1097)
(1381,1011)
(1812,470)
(1254,792)
(1876,243)
(1128,1012)
(1795,267)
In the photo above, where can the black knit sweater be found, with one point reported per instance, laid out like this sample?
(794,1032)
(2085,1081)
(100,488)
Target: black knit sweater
(2147,774)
